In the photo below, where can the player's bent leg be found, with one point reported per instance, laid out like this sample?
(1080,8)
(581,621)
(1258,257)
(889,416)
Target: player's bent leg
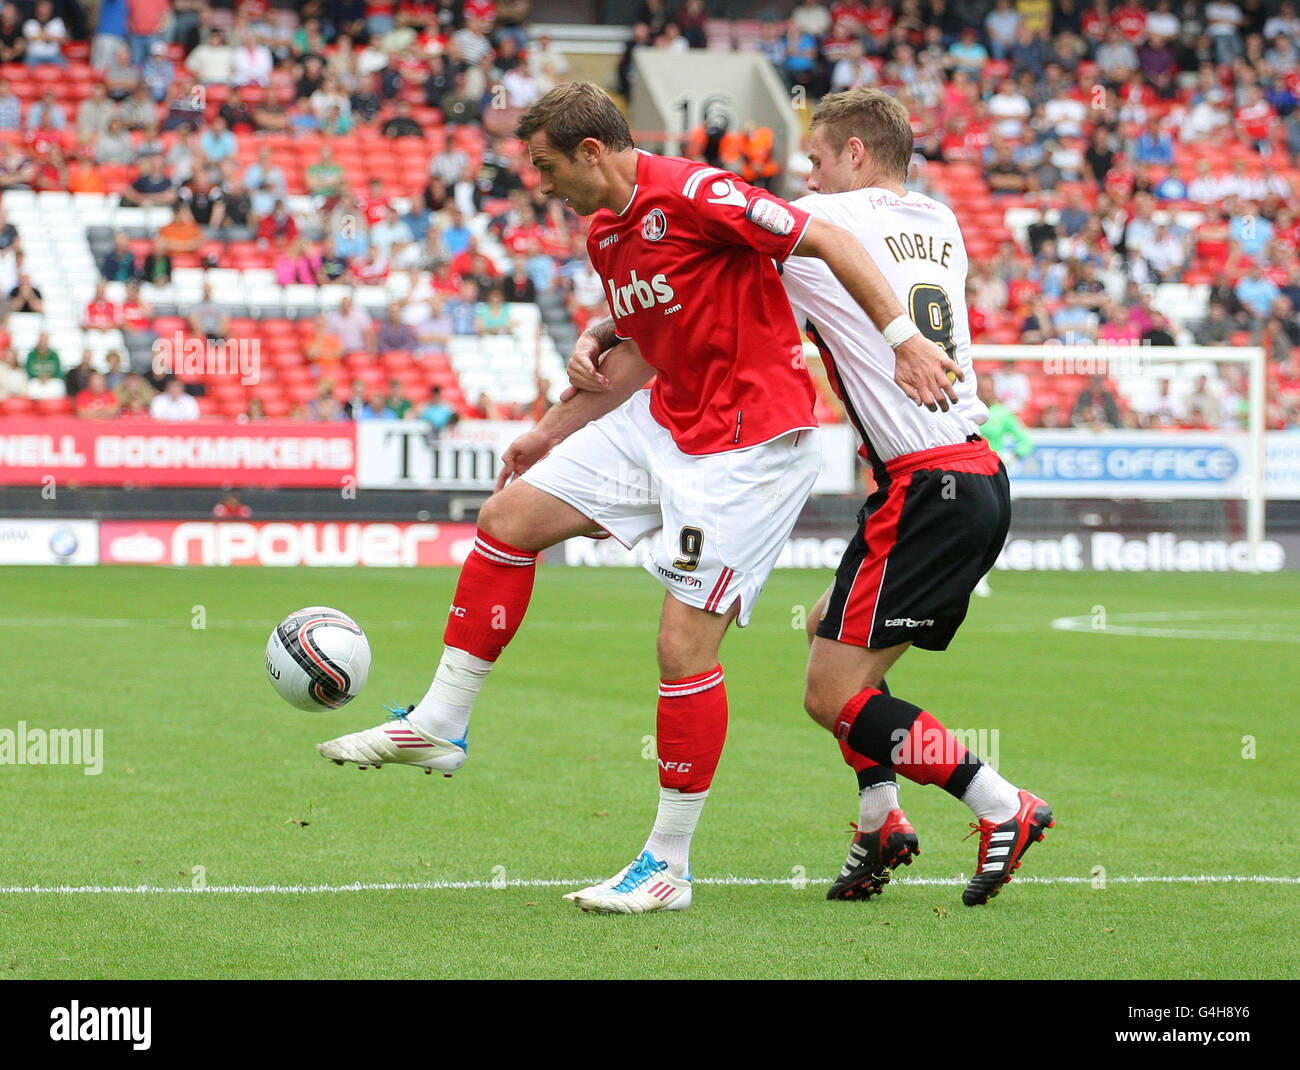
(690,731)
(914,743)
(690,637)
(838,671)
(883,838)
(492,596)
(874,805)
(530,519)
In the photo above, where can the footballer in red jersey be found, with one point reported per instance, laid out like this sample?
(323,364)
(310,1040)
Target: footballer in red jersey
(709,468)
(935,523)
(687,272)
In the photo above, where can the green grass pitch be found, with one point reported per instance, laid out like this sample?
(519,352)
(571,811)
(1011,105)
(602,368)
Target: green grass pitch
(1137,739)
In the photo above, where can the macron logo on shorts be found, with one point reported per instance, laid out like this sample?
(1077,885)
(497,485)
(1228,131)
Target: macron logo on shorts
(677,577)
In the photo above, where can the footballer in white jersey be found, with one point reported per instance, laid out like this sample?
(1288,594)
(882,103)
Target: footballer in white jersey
(918,244)
(936,521)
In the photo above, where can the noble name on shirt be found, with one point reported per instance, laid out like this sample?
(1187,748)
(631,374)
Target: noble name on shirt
(917,247)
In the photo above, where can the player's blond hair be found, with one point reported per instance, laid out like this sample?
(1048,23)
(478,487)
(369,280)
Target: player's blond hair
(876,119)
(573,112)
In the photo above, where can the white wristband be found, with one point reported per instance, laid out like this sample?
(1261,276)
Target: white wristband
(899,331)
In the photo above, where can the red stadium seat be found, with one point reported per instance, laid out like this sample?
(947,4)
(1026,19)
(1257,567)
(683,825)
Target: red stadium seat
(229,394)
(277,328)
(374,378)
(296,375)
(165,325)
(16,407)
(286,358)
(300,393)
(53,407)
(398,360)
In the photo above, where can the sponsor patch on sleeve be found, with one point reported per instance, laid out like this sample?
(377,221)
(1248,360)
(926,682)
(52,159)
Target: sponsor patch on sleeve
(770,216)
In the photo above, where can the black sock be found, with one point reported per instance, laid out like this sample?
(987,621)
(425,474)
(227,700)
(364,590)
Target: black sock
(876,774)
(880,728)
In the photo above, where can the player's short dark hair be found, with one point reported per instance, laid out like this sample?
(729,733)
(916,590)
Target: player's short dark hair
(878,120)
(573,112)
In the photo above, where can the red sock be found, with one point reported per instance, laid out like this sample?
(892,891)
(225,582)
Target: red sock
(692,726)
(855,761)
(930,754)
(492,596)
(905,738)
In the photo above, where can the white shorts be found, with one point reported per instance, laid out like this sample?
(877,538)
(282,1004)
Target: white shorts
(717,521)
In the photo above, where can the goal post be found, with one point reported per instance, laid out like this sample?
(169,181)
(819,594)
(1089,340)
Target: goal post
(1136,372)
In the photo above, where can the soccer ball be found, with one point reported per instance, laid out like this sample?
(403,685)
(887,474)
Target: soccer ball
(318,658)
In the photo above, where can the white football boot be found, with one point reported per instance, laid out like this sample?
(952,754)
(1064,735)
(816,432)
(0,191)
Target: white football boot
(398,741)
(639,888)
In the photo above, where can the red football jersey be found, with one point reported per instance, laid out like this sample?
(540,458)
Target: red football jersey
(850,9)
(90,403)
(133,317)
(1094,25)
(687,267)
(375,208)
(1131,20)
(102,315)
(878,20)
(486,10)
(1256,120)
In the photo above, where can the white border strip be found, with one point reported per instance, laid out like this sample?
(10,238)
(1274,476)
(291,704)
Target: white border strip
(442,886)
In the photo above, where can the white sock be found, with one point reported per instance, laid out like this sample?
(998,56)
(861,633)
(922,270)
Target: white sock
(670,839)
(875,802)
(992,797)
(444,711)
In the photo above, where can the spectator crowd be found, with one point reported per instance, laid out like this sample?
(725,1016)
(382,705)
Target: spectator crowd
(1124,173)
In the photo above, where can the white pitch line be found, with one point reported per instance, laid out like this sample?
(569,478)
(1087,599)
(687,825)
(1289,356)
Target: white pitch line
(1155,625)
(444,886)
(183,623)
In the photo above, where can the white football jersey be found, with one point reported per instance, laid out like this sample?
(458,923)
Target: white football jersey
(917,244)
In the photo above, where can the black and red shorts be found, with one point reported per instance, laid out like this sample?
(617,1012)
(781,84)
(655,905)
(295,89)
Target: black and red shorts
(935,524)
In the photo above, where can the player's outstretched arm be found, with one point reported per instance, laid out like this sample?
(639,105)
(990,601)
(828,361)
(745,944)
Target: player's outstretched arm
(924,372)
(625,371)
